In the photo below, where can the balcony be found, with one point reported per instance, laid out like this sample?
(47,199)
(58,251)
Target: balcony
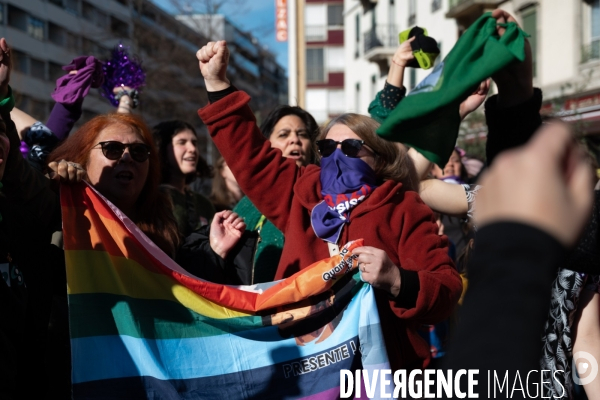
(380,44)
(315,33)
(470,9)
(590,52)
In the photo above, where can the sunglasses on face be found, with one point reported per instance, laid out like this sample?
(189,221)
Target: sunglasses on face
(350,147)
(114,150)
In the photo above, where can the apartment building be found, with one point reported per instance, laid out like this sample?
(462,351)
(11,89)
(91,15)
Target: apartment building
(46,34)
(316,57)
(565,39)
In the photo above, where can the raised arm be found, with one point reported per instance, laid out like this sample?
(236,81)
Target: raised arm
(21,184)
(22,120)
(513,115)
(262,172)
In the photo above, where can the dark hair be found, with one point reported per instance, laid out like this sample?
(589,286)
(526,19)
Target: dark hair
(274,116)
(220,195)
(163,133)
(154,216)
(464,174)
(391,162)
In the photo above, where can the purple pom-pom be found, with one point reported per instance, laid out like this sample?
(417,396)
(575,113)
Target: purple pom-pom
(121,70)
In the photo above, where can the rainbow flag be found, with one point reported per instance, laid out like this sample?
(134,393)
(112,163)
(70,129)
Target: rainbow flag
(144,328)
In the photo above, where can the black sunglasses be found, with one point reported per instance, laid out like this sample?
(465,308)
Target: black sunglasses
(350,147)
(114,150)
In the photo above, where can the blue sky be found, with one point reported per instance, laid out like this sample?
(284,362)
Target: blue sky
(254,16)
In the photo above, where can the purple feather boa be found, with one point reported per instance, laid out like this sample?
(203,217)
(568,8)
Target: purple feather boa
(121,69)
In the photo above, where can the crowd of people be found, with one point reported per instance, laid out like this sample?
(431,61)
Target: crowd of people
(289,193)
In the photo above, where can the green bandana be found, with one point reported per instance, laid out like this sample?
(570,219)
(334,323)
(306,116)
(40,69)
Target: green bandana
(428,118)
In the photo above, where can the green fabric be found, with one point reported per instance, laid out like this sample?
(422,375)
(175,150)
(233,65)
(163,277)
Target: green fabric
(191,209)
(270,244)
(428,118)
(8,103)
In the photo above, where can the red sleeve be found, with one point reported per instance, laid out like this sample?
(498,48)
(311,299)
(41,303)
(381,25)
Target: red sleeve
(264,175)
(424,258)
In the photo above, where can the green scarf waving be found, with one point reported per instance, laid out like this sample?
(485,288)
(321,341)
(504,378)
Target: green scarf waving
(428,118)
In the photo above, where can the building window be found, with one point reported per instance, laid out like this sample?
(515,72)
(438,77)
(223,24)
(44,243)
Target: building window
(119,28)
(35,28)
(315,66)
(37,68)
(336,102)
(529,16)
(20,62)
(72,6)
(335,15)
(94,15)
(334,59)
(17,18)
(412,12)
(55,71)
(72,42)
(315,22)
(595,22)
(436,5)
(56,34)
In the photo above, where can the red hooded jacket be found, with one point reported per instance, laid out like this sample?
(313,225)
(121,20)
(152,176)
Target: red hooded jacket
(391,218)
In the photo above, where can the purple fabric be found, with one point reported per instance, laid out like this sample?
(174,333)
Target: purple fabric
(73,88)
(345,182)
(63,117)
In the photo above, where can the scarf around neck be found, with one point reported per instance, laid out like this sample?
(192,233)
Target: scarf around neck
(345,182)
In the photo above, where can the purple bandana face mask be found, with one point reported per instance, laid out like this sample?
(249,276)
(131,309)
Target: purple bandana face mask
(345,182)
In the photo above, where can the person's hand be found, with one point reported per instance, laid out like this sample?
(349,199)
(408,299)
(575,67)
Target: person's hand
(226,230)
(66,172)
(402,56)
(118,89)
(404,53)
(125,101)
(377,269)
(473,102)
(5,68)
(213,59)
(547,184)
(515,81)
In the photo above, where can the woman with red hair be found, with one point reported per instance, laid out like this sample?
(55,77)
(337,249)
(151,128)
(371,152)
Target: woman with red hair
(123,165)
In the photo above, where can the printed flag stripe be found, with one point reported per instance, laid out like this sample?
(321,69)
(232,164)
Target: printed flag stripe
(269,382)
(100,314)
(88,274)
(124,356)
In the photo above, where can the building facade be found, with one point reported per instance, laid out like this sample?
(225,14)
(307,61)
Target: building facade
(46,34)
(316,57)
(565,40)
